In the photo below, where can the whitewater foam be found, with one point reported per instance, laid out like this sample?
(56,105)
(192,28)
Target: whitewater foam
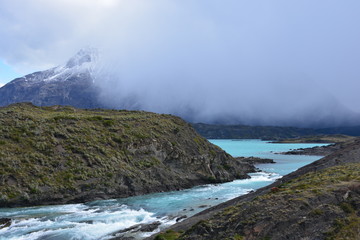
(106,219)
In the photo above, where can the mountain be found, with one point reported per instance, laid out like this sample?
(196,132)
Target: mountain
(88,80)
(70,84)
(318,201)
(53,155)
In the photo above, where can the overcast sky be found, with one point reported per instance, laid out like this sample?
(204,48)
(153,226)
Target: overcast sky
(259,61)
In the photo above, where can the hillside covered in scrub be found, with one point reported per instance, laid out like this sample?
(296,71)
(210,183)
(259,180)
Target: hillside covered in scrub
(51,155)
(290,134)
(318,201)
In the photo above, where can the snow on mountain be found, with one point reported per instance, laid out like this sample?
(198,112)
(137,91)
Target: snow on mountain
(68,84)
(83,62)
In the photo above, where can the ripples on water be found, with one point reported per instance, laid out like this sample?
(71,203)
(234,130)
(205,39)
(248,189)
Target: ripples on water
(105,219)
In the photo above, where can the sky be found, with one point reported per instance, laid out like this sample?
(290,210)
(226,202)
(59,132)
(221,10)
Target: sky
(256,62)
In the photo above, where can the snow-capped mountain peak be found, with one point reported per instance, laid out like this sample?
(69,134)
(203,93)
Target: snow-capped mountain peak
(84,56)
(69,84)
(83,62)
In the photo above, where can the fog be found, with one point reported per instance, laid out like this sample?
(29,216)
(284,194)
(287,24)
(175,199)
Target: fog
(293,63)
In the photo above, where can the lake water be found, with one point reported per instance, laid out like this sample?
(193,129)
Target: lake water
(106,219)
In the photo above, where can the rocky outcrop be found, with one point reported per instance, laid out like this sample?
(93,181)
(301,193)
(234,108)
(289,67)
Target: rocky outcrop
(62,154)
(320,138)
(318,201)
(322,150)
(255,160)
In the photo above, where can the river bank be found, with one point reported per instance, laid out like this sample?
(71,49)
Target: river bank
(110,218)
(320,200)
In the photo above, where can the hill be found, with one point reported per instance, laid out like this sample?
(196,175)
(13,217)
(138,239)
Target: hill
(213,131)
(52,155)
(318,201)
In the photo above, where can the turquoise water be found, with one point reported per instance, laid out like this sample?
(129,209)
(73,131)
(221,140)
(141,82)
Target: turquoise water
(265,149)
(104,219)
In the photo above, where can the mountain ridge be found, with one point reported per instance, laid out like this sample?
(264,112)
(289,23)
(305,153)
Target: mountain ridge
(87,80)
(68,84)
(221,131)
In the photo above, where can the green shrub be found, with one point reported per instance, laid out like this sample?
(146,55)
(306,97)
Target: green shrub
(168,235)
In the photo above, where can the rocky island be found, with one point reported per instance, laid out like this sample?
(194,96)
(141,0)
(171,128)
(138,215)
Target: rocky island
(59,154)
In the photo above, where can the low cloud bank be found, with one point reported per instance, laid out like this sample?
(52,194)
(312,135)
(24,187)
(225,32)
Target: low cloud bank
(251,62)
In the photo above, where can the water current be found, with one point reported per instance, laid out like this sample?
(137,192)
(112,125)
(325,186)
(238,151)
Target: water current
(108,219)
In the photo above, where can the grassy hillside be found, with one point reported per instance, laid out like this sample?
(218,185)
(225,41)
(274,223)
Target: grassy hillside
(319,201)
(62,154)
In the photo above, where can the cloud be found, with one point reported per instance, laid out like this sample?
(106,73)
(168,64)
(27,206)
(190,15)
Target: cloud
(249,61)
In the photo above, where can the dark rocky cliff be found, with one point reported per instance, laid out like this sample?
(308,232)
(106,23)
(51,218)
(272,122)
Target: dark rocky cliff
(57,154)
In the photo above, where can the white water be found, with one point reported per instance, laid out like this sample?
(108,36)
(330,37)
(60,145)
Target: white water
(104,219)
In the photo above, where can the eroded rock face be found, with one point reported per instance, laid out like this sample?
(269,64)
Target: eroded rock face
(62,154)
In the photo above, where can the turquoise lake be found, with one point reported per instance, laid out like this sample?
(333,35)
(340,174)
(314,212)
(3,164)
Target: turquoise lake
(107,218)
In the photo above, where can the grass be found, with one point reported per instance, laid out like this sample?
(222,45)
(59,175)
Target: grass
(60,148)
(294,200)
(65,143)
(168,235)
(345,228)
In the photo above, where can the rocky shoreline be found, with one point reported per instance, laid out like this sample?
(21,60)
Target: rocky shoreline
(321,151)
(317,201)
(255,160)
(315,151)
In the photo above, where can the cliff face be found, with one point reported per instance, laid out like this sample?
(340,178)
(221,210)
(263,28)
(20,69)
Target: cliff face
(59,154)
(319,201)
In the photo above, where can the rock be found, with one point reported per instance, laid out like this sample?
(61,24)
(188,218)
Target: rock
(255,160)
(181,218)
(346,195)
(203,206)
(5,222)
(322,150)
(149,227)
(123,238)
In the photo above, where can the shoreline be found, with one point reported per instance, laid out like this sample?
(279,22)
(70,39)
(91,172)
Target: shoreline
(334,159)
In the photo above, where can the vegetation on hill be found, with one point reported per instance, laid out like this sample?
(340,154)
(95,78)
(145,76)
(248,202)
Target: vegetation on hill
(62,154)
(249,132)
(317,205)
(270,132)
(336,138)
(318,201)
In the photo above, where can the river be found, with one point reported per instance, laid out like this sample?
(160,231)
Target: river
(107,219)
